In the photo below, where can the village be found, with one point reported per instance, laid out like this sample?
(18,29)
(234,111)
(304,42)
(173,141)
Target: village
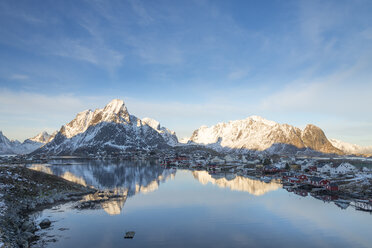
(330,179)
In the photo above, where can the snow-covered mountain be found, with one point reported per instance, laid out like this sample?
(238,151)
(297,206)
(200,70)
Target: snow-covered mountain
(349,148)
(109,129)
(29,145)
(259,134)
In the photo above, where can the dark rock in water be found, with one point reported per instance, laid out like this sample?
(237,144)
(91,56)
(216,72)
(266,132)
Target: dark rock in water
(129,235)
(45,223)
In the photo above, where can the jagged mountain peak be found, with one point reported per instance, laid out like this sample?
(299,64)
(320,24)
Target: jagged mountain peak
(115,111)
(116,106)
(42,137)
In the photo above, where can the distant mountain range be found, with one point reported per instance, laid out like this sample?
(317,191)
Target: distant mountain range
(29,145)
(349,148)
(113,129)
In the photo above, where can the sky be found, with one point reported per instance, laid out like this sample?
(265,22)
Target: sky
(188,63)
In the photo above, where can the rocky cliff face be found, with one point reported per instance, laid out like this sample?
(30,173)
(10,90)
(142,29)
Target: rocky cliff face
(109,129)
(257,133)
(314,138)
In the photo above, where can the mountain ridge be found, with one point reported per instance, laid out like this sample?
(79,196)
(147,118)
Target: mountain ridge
(258,134)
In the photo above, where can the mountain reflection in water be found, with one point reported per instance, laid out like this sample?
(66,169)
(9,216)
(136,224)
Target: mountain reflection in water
(238,183)
(122,179)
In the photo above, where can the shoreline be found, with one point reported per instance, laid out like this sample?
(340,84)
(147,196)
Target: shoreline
(25,192)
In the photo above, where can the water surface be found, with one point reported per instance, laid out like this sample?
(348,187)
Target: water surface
(169,208)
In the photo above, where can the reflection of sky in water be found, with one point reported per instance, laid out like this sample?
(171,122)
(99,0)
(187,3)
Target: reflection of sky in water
(187,213)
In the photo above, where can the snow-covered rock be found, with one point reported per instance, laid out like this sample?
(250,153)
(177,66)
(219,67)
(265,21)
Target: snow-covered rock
(109,129)
(258,134)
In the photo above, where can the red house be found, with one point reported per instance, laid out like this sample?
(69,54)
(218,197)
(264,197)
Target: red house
(302,177)
(332,186)
(293,180)
(318,181)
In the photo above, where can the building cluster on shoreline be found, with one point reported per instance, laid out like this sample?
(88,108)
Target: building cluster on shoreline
(326,178)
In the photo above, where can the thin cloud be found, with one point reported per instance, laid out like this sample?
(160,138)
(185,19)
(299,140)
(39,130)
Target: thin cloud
(19,77)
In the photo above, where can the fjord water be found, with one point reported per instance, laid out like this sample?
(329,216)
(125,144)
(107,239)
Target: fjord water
(182,208)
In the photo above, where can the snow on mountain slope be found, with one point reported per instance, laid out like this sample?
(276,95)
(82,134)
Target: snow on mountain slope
(257,133)
(349,148)
(109,129)
(29,145)
(42,137)
(168,135)
(6,146)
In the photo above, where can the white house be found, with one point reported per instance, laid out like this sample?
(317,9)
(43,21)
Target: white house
(344,168)
(327,168)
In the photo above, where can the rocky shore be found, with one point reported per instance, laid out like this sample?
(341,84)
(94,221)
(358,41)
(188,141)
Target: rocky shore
(23,192)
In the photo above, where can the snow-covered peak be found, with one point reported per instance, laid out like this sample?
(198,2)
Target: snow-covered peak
(257,118)
(114,111)
(42,137)
(115,106)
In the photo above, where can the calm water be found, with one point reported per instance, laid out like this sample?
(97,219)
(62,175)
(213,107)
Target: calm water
(169,208)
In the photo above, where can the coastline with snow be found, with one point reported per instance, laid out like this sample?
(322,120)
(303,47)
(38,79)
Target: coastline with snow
(24,192)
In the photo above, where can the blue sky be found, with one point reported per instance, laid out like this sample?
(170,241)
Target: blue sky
(188,63)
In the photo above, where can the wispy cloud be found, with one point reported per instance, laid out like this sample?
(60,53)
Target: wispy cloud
(238,74)
(19,77)
(141,11)
(95,54)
